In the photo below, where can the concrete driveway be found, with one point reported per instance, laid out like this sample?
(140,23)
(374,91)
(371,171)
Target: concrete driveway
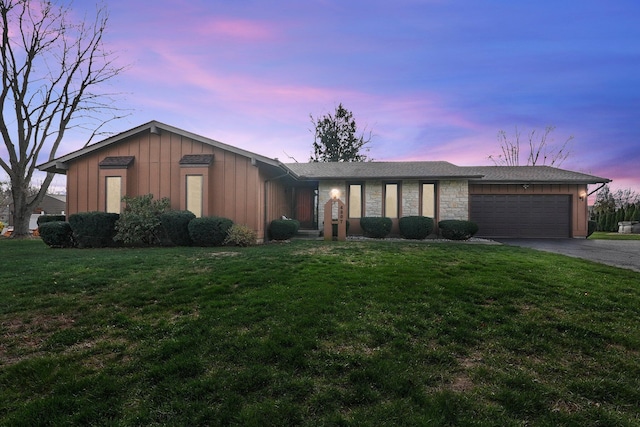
(618,253)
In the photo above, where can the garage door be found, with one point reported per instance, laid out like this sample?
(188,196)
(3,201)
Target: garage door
(521,215)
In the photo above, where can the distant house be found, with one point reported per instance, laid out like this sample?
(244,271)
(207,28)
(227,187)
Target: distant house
(51,204)
(210,178)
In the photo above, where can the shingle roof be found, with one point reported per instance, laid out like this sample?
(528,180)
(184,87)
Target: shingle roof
(116,162)
(440,170)
(196,159)
(380,170)
(519,174)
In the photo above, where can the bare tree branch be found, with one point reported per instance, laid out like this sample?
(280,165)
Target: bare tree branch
(52,69)
(541,149)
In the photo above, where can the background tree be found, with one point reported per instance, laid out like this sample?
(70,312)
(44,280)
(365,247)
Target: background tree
(336,138)
(51,70)
(539,149)
(611,208)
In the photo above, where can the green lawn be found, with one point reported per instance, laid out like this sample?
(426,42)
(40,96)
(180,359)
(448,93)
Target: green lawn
(602,235)
(314,333)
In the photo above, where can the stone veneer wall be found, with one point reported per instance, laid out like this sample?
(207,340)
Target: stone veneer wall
(324,190)
(410,198)
(454,200)
(372,198)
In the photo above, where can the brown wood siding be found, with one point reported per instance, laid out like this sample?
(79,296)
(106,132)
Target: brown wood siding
(234,185)
(278,201)
(579,210)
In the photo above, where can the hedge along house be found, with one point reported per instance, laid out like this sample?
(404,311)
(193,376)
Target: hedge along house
(210,178)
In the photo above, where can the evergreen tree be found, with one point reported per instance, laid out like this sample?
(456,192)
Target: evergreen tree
(336,138)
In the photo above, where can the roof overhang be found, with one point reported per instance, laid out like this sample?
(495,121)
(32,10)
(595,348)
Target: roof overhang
(60,165)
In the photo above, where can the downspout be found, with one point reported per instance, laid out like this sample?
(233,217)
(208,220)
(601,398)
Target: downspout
(266,198)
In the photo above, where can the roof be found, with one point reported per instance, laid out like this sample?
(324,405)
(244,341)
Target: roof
(196,159)
(428,170)
(380,170)
(529,174)
(116,162)
(60,165)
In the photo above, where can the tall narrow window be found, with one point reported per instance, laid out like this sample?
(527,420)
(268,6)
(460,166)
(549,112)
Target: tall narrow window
(429,200)
(391,200)
(355,200)
(194,194)
(113,193)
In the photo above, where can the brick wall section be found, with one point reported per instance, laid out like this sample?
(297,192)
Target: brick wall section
(410,198)
(454,200)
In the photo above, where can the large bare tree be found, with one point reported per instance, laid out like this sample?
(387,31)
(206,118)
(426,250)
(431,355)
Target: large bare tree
(53,67)
(539,149)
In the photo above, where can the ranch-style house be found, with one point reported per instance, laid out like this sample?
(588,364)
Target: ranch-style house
(210,178)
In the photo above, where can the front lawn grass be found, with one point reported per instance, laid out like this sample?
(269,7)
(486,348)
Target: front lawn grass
(314,333)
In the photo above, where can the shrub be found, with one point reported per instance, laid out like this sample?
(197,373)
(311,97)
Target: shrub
(454,229)
(378,227)
(176,226)
(415,227)
(56,234)
(50,218)
(283,229)
(93,229)
(209,231)
(139,223)
(240,235)
(591,227)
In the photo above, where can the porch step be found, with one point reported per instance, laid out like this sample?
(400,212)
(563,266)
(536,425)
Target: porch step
(308,234)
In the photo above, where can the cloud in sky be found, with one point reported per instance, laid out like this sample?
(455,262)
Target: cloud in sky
(431,79)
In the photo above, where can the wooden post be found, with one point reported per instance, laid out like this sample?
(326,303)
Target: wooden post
(340,221)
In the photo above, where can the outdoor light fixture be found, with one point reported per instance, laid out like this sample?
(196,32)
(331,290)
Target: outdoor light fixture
(583,194)
(335,194)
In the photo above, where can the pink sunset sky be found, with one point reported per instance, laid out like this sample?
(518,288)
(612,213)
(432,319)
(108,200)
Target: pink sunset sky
(431,79)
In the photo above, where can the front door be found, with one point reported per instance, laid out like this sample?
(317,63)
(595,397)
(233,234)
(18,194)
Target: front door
(305,198)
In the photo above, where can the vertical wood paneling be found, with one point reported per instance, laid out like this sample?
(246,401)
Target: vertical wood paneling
(235,186)
(83,188)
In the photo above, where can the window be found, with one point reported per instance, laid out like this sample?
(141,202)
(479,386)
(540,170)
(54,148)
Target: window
(194,194)
(355,200)
(429,200)
(391,200)
(113,193)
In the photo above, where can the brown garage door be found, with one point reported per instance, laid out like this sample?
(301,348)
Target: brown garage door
(521,215)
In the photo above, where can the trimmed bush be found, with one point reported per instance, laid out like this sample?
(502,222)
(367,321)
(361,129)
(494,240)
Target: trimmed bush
(454,229)
(56,234)
(139,223)
(240,235)
(591,227)
(378,227)
(415,227)
(283,229)
(50,218)
(94,229)
(209,231)
(176,225)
